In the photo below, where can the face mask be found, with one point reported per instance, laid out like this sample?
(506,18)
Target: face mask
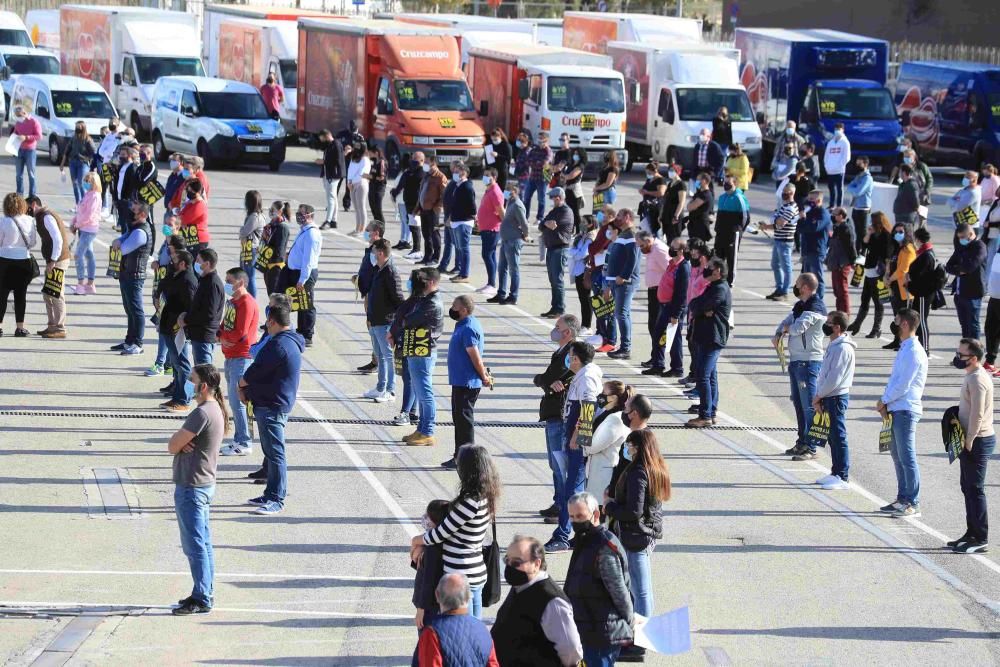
(729,187)
(555,336)
(453,314)
(190,194)
(965,241)
(487,180)
(673,253)
(300,218)
(671,174)
(87,186)
(506,195)
(426,523)
(197,269)
(456,177)
(367,237)
(838,135)
(228,289)
(796,291)
(965,182)
(959,363)
(576,158)
(409,285)
(703,139)
(602,401)
(627,419)
(907,160)
(425,167)
(174,164)
(650,174)
(514,576)
(372,259)
(519,143)
(599,217)
(899,236)
(186,173)
(789,131)
(582,527)
(608,235)
(627,453)
(496,142)
(707,272)
(168,230)
(143,158)
(901,148)
(827,330)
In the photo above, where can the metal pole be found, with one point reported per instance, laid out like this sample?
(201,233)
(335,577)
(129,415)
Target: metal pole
(680,8)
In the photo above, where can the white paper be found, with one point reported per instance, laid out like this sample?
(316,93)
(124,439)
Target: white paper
(671,332)
(668,633)
(180,340)
(13,144)
(490,155)
(922,211)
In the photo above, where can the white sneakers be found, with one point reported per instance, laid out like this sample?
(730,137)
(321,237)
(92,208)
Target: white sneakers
(487,290)
(380,396)
(832,483)
(586,333)
(372,393)
(416,254)
(596,339)
(233,449)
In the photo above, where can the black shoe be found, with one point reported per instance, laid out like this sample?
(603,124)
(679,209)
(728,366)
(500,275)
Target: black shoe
(189,608)
(874,333)
(855,328)
(556,547)
(323,226)
(551,510)
(450,464)
(632,654)
(962,540)
(694,409)
(797,450)
(673,373)
(117,348)
(496,298)
(368,368)
(652,370)
(552,314)
(894,345)
(972,547)
(509,301)
(169,389)
(262,482)
(687,379)
(414,419)
(258,474)
(620,354)
(309,342)
(647,364)
(185,600)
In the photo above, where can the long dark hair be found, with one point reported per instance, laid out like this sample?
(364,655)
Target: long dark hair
(907,235)
(478,476)
(253,202)
(284,208)
(647,455)
(209,374)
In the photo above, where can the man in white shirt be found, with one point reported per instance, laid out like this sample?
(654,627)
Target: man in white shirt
(967,202)
(302,266)
(901,400)
(836,157)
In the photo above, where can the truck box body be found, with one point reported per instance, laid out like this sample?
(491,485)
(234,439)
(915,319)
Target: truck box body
(591,31)
(401,83)
(547,31)
(680,88)
(953,109)
(43,26)
(567,91)
(819,78)
(126,49)
(481,31)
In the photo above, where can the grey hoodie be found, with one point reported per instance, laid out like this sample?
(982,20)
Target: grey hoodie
(805,332)
(836,375)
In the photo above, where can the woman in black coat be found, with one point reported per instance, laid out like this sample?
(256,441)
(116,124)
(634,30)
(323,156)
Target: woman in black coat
(502,156)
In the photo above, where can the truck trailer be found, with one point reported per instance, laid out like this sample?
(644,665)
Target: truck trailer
(591,31)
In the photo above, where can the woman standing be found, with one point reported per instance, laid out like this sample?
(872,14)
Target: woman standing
(195,447)
(86,224)
(634,506)
(357,184)
(877,242)
(250,233)
(700,208)
(738,166)
(17,238)
(194,218)
(501,156)
(921,283)
(579,254)
(903,254)
(376,185)
(274,244)
(610,432)
(79,154)
(652,191)
(468,519)
(521,150)
(722,129)
(604,190)
(488,218)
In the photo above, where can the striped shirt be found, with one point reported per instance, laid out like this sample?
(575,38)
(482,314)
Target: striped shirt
(785,220)
(461,533)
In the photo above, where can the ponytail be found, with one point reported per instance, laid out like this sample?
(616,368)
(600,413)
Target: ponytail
(209,374)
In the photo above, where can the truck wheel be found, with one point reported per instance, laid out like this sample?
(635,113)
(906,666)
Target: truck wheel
(159,147)
(394,159)
(136,125)
(54,149)
(274,166)
(205,154)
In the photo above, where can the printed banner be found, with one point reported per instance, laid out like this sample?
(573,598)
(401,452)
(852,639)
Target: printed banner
(151,192)
(859,275)
(229,316)
(298,297)
(884,295)
(667,339)
(585,427)
(190,235)
(246,251)
(416,342)
(264,256)
(54,281)
(819,431)
(885,435)
(967,215)
(603,308)
(114,262)
(780,349)
(598,200)
(107,173)
(956,439)
(158,275)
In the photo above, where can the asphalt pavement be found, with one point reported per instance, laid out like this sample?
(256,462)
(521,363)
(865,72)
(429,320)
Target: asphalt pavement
(774,570)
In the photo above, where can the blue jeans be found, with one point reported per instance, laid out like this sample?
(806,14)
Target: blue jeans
(554,436)
(192,505)
(602,325)
(641,579)
(251,274)
(802,376)
(422,373)
(86,263)
(409,395)
(600,657)
(611,195)
(658,357)
(25,158)
(530,188)
(77,170)
(575,482)
(449,244)
(161,351)
(555,263)
(271,431)
(781,265)
(489,250)
(623,314)
(836,185)
(813,263)
(903,448)
(708,381)
(462,238)
(973,480)
(968,316)
(476,601)
(131,289)
(510,262)
(234,370)
(386,365)
(181,362)
(836,406)
(202,352)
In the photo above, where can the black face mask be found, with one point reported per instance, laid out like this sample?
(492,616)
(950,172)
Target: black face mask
(514,576)
(582,527)
(894,329)
(453,314)
(672,252)
(827,330)
(602,401)
(627,418)
(959,363)
(796,291)
(707,272)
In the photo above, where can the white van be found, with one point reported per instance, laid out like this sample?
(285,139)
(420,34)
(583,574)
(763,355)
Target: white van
(18,60)
(13,31)
(58,102)
(219,120)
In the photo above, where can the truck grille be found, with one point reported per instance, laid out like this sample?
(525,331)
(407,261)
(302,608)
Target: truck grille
(595,140)
(254,141)
(454,141)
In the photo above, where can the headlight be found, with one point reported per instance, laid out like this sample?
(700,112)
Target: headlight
(691,138)
(280,132)
(752,141)
(223,129)
(423,141)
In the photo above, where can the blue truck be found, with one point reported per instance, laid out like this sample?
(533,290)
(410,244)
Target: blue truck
(819,78)
(951,111)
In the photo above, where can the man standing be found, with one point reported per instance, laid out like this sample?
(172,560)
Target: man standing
(975,413)
(384,297)
(901,399)
(535,624)
(784,222)
(201,321)
(539,161)
(621,279)
(557,236)
(409,185)
(840,258)
(965,203)
(732,217)
(426,313)
(671,295)
(135,245)
(833,388)
(126,186)
(811,160)
(554,382)
(271,384)
(788,138)
(273,96)
(331,170)
(303,269)
(836,157)
(674,205)
(176,291)
(467,373)
(815,227)
(710,327)
(55,251)
(708,155)
(657,258)
(430,204)
(454,637)
(463,216)
(804,328)
(597,584)
(237,333)
(29,131)
(968,265)
(906,205)
(363,282)
(860,188)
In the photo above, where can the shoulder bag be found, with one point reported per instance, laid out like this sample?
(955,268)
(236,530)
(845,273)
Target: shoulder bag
(491,557)
(32,262)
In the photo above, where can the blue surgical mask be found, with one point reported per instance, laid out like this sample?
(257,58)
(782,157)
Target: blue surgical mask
(907,160)
(965,182)
(168,230)
(487,180)
(186,173)
(671,174)
(456,177)
(506,195)
(409,285)
(371,258)
(174,164)
(367,237)
(576,158)
(625,453)
(87,186)
(899,236)
(599,216)
(567,361)
(837,134)
(197,269)
(965,241)
(608,235)
(229,289)
(520,144)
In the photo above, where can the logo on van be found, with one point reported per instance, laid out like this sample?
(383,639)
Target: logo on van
(587,121)
(85,46)
(446,122)
(435,55)
(756,85)
(923,117)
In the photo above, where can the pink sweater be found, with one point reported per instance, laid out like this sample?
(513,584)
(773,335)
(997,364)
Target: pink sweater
(88,213)
(486,216)
(32,129)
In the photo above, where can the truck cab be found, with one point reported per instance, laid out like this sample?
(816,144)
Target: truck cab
(13,32)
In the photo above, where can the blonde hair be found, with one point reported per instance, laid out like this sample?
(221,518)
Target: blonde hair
(95,181)
(14,204)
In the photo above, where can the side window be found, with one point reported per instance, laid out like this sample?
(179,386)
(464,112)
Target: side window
(383,104)
(536,89)
(42,106)
(188,103)
(812,107)
(665,107)
(128,72)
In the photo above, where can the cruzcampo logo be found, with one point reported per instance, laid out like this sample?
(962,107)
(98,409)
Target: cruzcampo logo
(254,127)
(446,122)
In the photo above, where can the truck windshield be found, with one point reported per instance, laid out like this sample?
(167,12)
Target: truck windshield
(856,103)
(81,104)
(704,103)
(15,38)
(151,69)
(233,105)
(289,73)
(21,64)
(414,95)
(579,94)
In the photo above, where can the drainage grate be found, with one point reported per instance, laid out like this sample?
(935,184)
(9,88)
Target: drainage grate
(110,493)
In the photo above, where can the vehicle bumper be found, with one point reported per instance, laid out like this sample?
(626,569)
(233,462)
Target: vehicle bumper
(472,156)
(595,156)
(262,151)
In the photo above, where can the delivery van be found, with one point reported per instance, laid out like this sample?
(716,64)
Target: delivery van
(219,120)
(43,27)
(951,111)
(401,83)
(18,60)
(58,103)
(675,91)
(591,31)
(13,32)
(126,49)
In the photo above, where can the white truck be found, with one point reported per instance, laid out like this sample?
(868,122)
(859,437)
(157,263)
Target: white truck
(552,89)
(43,26)
(675,89)
(126,49)
(18,60)
(13,32)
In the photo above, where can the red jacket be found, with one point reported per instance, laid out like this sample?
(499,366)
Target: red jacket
(239,327)
(429,651)
(195,214)
(180,195)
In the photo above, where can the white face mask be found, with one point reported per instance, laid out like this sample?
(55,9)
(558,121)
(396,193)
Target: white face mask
(426,167)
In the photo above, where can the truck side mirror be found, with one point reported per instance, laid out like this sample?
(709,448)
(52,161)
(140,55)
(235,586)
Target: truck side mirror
(118,79)
(523,89)
(484,108)
(904,119)
(634,92)
(4,73)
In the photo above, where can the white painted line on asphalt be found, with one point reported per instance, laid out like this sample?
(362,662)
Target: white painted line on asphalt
(22,604)
(377,451)
(218,575)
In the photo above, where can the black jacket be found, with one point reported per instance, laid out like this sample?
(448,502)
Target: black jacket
(130,185)
(426,312)
(409,185)
(384,295)
(562,235)
(715,159)
(924,278)
(722,131)
(551,405)
(333,161)
(968,262)
(603,614)
(429,573)
(710,315)
(203,318)
(636,515)
(842,250)
(502,157)
(463,203)
(177,290)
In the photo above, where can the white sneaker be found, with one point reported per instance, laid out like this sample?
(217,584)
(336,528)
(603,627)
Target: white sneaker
(235,450)
(487,290)
(595,340)
(372,393)
(386,397)
(827,479)
(416,254)
(836,484)
(402,419)
(586,333)
(130,350)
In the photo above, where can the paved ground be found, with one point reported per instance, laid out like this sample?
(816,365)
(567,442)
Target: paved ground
(775,571)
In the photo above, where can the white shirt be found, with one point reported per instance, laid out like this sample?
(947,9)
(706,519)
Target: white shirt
(586,384)
(52,227)
(837,155)
(355,170)
(11,244)
(906,383)
(304,255)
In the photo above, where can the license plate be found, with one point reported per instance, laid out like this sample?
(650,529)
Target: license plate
(875,168)
(258,149)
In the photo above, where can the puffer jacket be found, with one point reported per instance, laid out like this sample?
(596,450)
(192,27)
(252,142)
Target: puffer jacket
(428,312)
(805,329)
(603,611)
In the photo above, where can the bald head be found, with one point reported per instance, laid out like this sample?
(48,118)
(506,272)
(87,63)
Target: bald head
(453,593)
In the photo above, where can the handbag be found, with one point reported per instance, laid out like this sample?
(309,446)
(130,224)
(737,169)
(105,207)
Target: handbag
(491,557)
(32,262)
